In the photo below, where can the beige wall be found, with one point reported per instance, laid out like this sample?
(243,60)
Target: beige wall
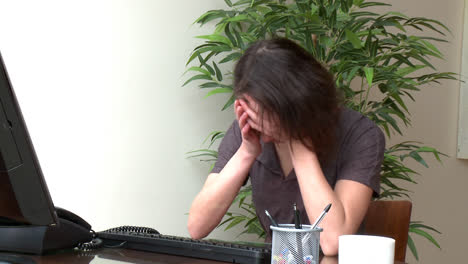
(440,199)
(103,102)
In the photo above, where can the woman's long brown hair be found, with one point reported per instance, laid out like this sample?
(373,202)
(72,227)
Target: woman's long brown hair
(290,84)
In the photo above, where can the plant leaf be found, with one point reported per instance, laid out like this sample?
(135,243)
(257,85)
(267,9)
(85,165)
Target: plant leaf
(209,85)
(197,77)
(228,2)
(418,158)
(233,56)
(237,18)
(237,220)
(229,102)
(408,70)
(216,38)
(219,75)
(419,225)
(369,72)
(412,247)
(210,15)
(198,69)
(425,235)
(367,4)
(217,91)
(353,38)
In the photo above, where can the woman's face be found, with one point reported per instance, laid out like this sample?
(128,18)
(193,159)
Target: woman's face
(266,124)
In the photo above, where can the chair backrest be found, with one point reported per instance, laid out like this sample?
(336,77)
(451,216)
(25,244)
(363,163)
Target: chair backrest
(390,219)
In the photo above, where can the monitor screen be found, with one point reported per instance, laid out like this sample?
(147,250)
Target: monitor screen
(24,197)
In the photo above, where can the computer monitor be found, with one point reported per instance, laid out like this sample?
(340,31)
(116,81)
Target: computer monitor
(24,197)
(29,222)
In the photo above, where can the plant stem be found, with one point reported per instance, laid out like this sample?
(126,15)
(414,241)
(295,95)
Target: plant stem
(367,97)
(360,93)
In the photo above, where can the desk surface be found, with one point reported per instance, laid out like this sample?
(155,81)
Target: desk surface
(119,256)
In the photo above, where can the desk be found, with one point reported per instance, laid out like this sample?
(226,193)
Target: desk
(119,256)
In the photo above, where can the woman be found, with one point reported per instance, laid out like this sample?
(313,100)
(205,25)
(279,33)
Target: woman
(296,143)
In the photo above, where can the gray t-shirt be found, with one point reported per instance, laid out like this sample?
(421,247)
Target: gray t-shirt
(357,156)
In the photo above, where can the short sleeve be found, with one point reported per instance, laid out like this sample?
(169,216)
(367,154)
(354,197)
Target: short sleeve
(362,155)
(228,146)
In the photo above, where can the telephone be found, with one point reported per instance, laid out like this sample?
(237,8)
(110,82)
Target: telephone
(82,236)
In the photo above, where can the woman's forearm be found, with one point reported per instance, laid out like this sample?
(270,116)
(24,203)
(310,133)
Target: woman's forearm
(216,196)
(316,194)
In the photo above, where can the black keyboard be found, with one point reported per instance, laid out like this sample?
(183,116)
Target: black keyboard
(152,241)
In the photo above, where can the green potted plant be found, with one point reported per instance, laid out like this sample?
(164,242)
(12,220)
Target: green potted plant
(377,64)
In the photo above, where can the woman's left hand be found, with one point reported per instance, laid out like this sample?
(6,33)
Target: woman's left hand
(299,152)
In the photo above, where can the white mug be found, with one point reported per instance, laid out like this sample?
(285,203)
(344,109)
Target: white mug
(363,249)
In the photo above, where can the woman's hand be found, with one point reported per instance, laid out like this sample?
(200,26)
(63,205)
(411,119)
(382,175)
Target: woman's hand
(250,137)
(298,151)
(265,124)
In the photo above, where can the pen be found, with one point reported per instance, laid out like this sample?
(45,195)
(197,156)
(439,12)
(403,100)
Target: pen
(320,218)
(297,225)
(290,246)
(273,222)
(297,218)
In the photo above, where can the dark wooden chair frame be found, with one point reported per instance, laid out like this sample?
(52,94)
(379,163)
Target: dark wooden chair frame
(390,219)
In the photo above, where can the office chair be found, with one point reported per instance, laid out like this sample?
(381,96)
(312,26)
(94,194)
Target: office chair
(390,219)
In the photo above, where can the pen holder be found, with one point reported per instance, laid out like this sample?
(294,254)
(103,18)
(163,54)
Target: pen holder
(295,246)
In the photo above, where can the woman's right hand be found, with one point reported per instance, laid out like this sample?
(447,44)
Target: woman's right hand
(250,137)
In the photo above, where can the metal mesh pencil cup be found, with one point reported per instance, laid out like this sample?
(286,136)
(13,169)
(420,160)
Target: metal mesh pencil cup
(295,246)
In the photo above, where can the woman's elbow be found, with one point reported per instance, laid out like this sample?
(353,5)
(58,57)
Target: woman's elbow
(194,234)
(329,244)
(195,228)
(195,231)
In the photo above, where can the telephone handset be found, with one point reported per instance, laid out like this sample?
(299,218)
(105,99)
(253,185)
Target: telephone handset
(65,214)
(69,216)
